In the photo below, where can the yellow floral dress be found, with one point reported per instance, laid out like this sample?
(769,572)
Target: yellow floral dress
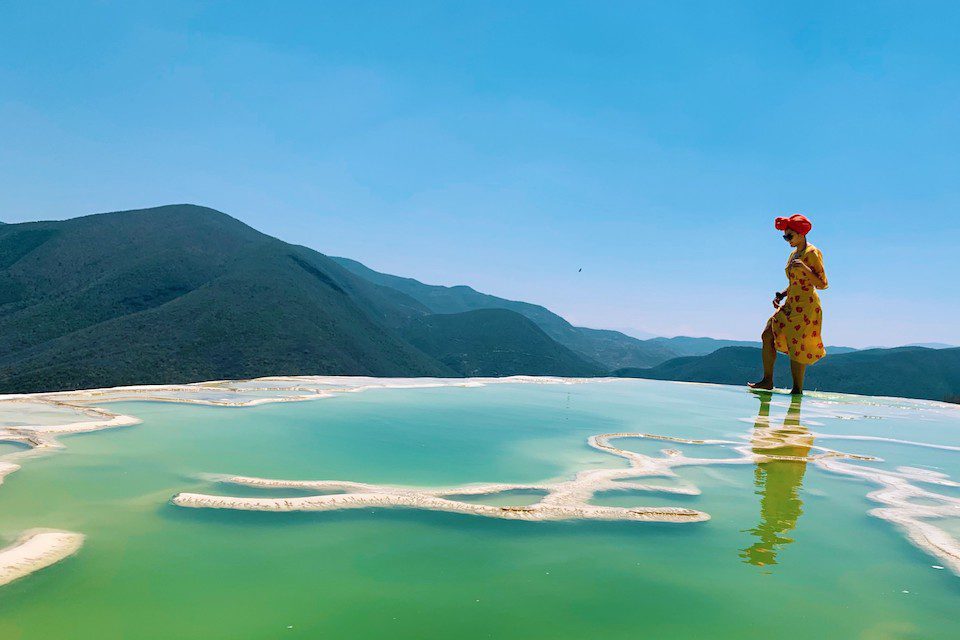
(797,325)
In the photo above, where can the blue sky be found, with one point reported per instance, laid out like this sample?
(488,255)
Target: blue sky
(507,145)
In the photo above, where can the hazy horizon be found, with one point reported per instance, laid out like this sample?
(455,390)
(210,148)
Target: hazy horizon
(508,147)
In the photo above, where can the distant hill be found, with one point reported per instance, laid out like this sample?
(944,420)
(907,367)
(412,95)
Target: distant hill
(184,293)
(633,332)
(932,345)
(611,349)
(910,372)
(493,342)
(687,346)
(926,345)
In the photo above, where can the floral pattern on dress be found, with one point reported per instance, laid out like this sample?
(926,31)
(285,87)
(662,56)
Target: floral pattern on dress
(798,325)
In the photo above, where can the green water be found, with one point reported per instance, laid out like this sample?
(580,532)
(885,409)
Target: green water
(790,551)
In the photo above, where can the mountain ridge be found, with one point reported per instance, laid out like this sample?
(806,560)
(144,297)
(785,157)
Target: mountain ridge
(610,348)
(907,372)
(185,293)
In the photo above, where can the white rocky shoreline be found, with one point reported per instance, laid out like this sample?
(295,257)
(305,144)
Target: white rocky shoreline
(562,500)
(36,549)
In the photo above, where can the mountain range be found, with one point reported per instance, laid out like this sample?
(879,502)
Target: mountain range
(605,348)
(185,293)
(908,372)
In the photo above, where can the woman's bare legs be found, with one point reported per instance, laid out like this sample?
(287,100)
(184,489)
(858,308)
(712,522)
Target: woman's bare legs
(798,369)
(769,356)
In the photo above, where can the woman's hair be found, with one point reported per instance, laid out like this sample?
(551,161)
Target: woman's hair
(797,223)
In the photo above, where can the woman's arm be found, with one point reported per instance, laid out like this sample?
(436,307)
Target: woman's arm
(814,270)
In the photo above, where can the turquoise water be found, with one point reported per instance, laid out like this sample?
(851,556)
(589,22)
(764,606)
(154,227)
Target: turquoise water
(790,551)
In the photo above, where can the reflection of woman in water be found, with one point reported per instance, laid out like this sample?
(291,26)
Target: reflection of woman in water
(778,482)
(795,329)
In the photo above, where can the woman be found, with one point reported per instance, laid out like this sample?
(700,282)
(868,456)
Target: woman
(795,329)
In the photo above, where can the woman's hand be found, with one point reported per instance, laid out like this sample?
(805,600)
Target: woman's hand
(777,297)
(819,280)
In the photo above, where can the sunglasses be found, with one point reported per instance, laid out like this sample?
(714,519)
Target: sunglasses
(788,236)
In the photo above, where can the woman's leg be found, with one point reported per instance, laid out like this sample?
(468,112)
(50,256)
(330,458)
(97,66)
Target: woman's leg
(798,369)
(769,356)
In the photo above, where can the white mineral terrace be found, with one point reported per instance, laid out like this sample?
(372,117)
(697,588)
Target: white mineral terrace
(77,413)
(562,500)
(36,420)
(35,550)
(568,500)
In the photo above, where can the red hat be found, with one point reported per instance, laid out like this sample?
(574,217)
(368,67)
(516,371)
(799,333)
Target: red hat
(796,222)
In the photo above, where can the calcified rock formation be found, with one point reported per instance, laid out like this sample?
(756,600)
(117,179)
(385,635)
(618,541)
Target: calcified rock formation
(77,415)
(901,497)
(35,421)
(567,500)
(40,437)
(898,491)
(35,550)
(6,468)
(564,500)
